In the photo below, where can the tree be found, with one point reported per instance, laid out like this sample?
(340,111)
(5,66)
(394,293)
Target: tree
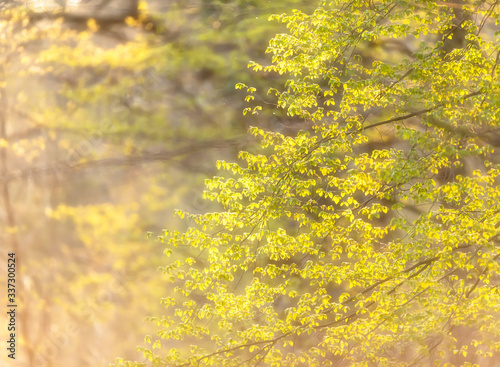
(100,121)
(49,127)
(372,238)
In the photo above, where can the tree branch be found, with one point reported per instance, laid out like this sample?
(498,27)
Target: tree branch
(417,113)
(63,167)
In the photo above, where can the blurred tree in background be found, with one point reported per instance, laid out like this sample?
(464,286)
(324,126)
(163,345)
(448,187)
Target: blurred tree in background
(370,239)
(105,128)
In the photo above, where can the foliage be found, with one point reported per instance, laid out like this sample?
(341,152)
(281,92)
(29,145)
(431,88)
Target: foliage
(373,238)
(53,79)
(99,125)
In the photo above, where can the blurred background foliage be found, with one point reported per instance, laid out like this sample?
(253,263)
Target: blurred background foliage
(106,128)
